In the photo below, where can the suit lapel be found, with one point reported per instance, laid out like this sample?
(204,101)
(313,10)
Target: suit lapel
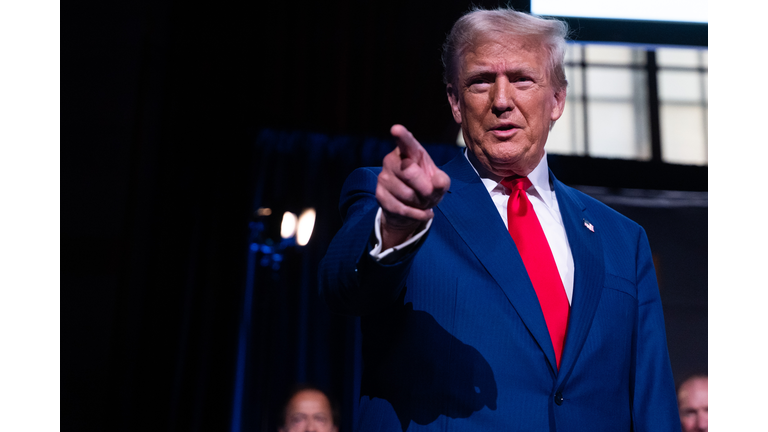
(471,212)
(589,272)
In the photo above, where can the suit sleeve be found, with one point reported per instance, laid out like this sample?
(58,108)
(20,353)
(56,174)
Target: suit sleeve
(654,402)
(351,281)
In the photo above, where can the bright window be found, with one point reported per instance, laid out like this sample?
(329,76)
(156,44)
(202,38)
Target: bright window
(608,106)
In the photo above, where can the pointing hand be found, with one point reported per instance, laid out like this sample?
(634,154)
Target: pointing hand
(409,186)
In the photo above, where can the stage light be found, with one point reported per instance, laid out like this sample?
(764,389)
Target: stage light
(306,225)
(288,226)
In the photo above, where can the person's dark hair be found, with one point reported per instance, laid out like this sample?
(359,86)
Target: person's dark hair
(307,387)
(509,22)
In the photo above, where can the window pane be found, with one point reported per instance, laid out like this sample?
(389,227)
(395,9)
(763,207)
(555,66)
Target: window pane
(611,55)
(683,134)
(560,140)
(616,130)
(574,76)
(609,83)
(677,57)
(679,86)
(573,53)
(575,115)
(567,137)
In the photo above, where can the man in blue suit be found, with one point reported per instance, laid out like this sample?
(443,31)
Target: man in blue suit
(492,296)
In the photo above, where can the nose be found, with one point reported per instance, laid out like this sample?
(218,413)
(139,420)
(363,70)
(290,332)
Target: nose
(503,96)
(310,427)
(701,421)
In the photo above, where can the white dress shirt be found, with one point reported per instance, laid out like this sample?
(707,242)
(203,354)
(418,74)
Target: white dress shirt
(542,196)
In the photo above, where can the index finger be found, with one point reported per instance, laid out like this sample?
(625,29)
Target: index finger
(409,147)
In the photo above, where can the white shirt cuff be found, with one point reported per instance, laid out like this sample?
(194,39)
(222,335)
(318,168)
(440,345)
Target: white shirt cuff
(378,254)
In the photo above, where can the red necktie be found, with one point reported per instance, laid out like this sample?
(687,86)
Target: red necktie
(525,229)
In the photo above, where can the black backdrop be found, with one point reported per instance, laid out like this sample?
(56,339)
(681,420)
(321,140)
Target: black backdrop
(163,106)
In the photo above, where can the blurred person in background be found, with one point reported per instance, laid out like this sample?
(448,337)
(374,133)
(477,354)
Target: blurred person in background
(308,409)
(692,397)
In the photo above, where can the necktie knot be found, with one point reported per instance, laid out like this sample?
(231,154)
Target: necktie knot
(518,202)
(516,184)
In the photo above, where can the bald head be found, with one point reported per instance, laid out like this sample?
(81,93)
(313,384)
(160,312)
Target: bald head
(692,401)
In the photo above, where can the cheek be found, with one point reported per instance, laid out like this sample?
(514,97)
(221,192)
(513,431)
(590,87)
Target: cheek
(474,120)
(474,107)
(538,109)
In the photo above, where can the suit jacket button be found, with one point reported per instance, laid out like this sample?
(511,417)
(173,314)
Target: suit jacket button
(559,398)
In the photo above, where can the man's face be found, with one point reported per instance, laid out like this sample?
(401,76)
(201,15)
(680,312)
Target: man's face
(309,411)
(505,103)
(692,401)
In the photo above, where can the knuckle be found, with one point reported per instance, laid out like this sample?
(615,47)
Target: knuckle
(392,157)
(379,190)
(412,172)
(408,195)
(424,188)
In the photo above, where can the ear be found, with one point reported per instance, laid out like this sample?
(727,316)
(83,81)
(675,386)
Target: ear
(453,99)
(559,106)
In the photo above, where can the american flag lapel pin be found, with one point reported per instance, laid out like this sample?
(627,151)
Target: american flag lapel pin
(589,225)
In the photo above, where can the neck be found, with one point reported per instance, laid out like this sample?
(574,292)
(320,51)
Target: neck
(484,173)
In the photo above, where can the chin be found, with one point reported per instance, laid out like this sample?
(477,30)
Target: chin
(505,154)
(514,162)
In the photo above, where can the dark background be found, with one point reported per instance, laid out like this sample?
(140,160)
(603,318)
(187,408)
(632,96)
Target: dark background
(179,119)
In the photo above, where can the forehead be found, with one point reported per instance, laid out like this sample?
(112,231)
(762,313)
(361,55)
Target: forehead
(694,392)
(496,51)
(309,402)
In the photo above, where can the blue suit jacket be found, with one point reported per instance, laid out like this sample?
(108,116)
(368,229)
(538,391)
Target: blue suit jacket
(453,335)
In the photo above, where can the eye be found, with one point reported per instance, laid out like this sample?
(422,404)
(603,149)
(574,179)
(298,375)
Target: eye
(479,85)
(296,419)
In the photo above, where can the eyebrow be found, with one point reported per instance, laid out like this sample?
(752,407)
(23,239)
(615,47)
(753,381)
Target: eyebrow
(489,70)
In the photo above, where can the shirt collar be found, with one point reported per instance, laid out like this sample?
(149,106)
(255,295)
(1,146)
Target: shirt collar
(539,178)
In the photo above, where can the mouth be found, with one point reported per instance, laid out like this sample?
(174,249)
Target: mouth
(504,130)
